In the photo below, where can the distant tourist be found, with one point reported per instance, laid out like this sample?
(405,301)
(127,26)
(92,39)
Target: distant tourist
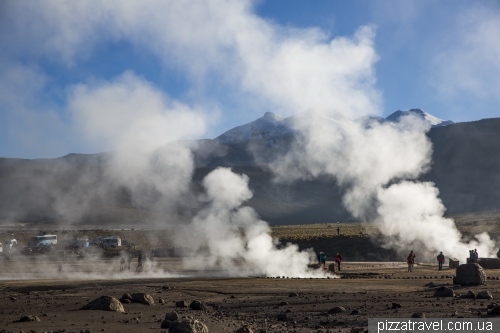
(411,261)
(471,256)
(476,256)
(322,260)
(498,254)
(129,260)
(338,230)
(139,263)
(338,260)
(122,262)
(440,259)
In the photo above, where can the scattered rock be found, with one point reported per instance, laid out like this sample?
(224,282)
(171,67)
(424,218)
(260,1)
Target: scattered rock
(282,316)
(293,295)
(197,305)
(418,315)
(181,304)
(494,309)
(172,316)
(188,326)
(126,296)
(396,305)
(125,301)
(161,301)
(355,312)
(469,275)
(470,294)
(106,303)
(29,318)
(444,292)
(430,285)
(358,330)
(284,303)
(336,309)
(484,295)
(143,298)
(166,324)
(244,329)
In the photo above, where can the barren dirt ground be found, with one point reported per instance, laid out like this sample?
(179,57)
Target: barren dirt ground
(372,280)
(234,302)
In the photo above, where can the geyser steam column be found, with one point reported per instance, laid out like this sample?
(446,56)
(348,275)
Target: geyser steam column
(379,165)
(228,236)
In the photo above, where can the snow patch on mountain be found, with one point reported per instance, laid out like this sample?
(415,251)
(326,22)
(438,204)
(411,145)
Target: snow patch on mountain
(267,127)
(271,128)
(434,121)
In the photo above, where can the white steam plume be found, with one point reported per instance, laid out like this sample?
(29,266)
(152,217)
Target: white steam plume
(376,166)
(228,236)
(142,126)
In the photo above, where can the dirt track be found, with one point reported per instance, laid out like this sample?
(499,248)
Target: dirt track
(233,302)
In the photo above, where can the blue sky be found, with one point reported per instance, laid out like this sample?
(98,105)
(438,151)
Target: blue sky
(75,75)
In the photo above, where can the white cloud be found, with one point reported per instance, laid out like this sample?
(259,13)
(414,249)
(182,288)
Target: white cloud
(285,69)
(130,112)
(466,62)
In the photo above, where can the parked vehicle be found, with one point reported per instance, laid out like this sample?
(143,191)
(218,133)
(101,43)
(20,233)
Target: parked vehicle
(81,243)
(111,242)
(44,240)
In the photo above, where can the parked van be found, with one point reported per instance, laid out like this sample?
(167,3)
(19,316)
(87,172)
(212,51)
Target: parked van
(45,240)
(111,242)
(81,243)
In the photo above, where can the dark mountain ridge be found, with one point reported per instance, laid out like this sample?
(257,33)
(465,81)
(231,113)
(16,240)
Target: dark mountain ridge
(466,170)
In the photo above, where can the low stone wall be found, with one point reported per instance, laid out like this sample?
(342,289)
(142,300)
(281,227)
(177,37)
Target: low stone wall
(489,263)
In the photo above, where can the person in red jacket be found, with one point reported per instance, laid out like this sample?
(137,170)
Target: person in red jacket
(411,260)
(338,260)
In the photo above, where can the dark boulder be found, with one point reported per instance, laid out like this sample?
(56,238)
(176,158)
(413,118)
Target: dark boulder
(142,298)
(172,316)
(181,304)
(197,305)
(484,295)
(106,303)
(418,315)
(336,309)
(470,275)
(25,319)
(444,292)
(244,329)
(188,326)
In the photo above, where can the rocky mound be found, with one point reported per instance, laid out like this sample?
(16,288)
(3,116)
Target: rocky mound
(106,303)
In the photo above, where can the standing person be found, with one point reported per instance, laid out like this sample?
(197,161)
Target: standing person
(471,256)
(476,256)
(338,231)
(122,262)
(322,260)
(139,263)
(129,260)
(440,259)
(410,260)
(338,260)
